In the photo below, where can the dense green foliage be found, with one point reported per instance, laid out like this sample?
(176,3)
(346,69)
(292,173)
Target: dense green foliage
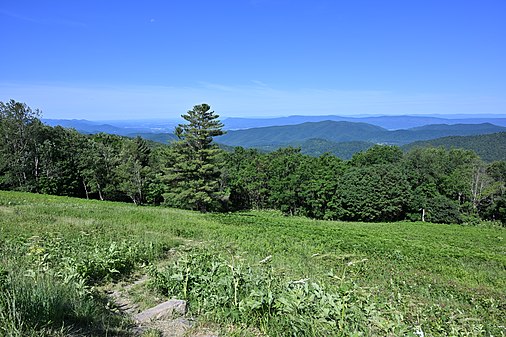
(192,175)
(39,158)
(344,150)
(489,147)
(380,184)
(316,147)
(322,278)
(19,132)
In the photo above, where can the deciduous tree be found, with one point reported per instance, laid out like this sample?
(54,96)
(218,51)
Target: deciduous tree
(19,164)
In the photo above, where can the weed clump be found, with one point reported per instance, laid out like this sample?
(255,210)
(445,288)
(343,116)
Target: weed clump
(231,291)
(47,284)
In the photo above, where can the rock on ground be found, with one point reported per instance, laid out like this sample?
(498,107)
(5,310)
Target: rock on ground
(168,309)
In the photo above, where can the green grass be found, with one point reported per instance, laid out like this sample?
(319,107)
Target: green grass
(362,278)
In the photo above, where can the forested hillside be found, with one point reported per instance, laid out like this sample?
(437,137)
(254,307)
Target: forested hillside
(162,138)
(132,127)
(312,147)
(340,138)
(279,136)
(283,135)
(380,184)
(316,147)
(489,147)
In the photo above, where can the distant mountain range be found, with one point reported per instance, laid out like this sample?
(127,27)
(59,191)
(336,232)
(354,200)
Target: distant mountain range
(334,135)
(279,136)
(122,128)
(387,122)
(126,127)
(89,127)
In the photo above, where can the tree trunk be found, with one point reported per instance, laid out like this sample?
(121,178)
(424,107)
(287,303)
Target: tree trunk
(100,192)
(86,190)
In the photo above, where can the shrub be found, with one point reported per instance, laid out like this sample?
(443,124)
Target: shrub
(230,291)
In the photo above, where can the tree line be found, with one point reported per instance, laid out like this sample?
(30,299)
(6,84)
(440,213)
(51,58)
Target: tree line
(380,184)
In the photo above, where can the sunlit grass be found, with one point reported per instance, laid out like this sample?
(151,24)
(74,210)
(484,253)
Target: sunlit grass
(446,279)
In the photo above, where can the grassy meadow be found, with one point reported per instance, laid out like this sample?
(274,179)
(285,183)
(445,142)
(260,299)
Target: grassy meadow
(256,273)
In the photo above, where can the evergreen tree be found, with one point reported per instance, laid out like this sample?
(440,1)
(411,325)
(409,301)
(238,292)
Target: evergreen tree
(193,178)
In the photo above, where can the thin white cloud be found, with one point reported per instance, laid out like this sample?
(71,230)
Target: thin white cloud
(43,21)
(16,16)
(259,83)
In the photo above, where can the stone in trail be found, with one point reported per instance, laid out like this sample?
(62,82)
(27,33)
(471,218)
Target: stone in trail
(168,318)
(165,310)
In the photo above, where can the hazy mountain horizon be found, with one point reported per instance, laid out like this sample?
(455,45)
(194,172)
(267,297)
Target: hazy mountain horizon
(390,122)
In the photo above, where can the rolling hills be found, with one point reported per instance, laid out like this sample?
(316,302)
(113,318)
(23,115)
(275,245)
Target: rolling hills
(314,137)
(387,122)
(346,132)
(126,127)
(284,135)
(489,147)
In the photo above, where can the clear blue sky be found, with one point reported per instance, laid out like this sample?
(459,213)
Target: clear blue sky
(156,59)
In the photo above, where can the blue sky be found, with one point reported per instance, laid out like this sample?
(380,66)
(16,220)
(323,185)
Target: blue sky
(156,59)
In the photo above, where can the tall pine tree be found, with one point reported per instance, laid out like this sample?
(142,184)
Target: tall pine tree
(192,175)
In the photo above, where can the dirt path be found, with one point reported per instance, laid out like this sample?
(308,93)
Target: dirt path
(173,325)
